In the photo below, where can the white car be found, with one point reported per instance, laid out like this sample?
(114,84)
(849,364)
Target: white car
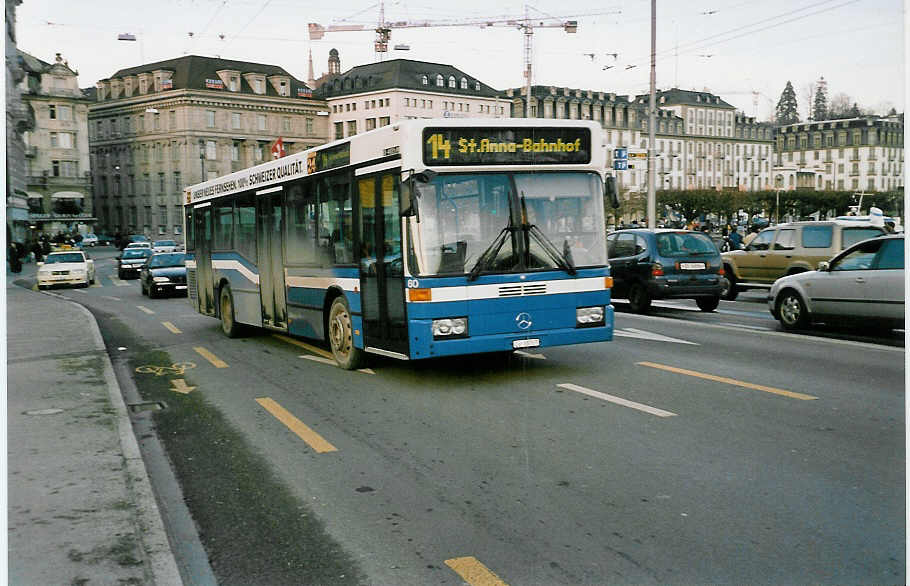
(146,245)
(164,246)
(89,240)
(863,284)
(66,268)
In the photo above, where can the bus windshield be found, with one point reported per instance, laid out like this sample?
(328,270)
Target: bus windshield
(509,222)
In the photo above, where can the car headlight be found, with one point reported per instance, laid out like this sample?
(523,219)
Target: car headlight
(78,272)
(589,316)
(161,279)
(456,327)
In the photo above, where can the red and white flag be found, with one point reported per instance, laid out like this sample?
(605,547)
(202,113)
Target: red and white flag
(278,149)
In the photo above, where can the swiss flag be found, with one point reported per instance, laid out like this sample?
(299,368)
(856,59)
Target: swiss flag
(278,149)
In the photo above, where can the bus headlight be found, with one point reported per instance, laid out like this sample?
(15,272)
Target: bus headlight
(456,327)
(589,316)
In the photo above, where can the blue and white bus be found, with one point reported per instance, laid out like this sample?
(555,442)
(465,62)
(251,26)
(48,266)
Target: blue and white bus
(420,239)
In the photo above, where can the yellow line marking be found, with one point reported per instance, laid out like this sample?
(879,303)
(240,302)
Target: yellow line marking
(171,327)
(320,359)
(313,439)
(473,572)
(145,309)
(216,362)
(730,381)
(304,345)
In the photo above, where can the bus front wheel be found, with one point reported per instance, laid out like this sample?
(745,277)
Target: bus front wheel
(341,336)
(229,325)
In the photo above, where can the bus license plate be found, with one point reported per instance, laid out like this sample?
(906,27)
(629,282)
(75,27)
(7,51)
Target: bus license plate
(531,343)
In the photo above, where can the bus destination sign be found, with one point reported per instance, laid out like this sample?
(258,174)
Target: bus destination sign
(506,146)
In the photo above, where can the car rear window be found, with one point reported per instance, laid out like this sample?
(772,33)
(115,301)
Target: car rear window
(165,243)
(817,236)
(167,260)
(135,253)
(675,244)
(851,236)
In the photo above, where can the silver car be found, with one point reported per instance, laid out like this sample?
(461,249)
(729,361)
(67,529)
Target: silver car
(864,283)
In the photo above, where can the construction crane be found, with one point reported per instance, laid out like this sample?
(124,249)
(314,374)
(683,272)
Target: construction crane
(526,24)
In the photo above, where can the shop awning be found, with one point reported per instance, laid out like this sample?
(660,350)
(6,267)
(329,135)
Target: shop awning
(67,195)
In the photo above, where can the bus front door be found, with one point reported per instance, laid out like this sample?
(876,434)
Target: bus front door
(381,268)
(204,280)
(271,261)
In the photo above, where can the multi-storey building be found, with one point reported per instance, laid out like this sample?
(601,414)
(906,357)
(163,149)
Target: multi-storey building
(18,120)
(157,128)
(855,154)
(57,150)
(369,96)
(701,141)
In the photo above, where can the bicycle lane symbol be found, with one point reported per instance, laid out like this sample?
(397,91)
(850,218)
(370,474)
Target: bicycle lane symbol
(177,368)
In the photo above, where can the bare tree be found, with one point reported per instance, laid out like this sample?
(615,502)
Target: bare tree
(840,106)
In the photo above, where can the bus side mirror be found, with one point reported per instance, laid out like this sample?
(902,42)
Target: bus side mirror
(610,191)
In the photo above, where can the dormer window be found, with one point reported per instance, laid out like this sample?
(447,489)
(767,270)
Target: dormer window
(477,86)
(464,83)
(698,98)
(259,87)
(424,80)
(440,82)
(235,84)
(452,81)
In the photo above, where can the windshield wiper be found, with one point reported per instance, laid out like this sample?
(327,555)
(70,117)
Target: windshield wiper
(489,253)
(564,260)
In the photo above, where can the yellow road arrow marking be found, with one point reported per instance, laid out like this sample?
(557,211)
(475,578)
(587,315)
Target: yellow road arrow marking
(180,386)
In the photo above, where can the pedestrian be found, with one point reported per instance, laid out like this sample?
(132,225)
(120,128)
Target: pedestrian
(736,239)
(45,246)
(15,261)
(36,250)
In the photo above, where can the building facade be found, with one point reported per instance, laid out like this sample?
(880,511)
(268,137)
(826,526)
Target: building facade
(57,149)
(370,96)
(18,120)
(157,128)
(859,154)
(701,141)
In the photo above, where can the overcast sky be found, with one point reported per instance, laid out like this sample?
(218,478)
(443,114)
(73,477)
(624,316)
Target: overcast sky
(730,47)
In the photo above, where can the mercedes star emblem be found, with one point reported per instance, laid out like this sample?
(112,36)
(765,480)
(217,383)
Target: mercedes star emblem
(523,320)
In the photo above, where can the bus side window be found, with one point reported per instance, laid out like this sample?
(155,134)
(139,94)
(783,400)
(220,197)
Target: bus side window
(189,232)
(335,235)
(245,226)
(301,223)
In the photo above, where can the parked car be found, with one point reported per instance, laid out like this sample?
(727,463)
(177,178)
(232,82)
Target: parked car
(131,260)
(89,240)
(134,238)
(104,239)
(66,268)
(788,249)
(132,245)
(164,246)
(163,273)
(664,264)
(864,283)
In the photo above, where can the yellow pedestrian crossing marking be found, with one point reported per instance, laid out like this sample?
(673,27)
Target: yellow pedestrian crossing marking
(473,572)
(171,327)
(729,381)
(313,439)
(216,362)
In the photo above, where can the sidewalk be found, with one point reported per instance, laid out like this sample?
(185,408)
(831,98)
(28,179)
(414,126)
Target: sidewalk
(80,506)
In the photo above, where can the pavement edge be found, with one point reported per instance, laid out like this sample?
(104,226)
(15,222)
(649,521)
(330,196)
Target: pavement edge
(153,536)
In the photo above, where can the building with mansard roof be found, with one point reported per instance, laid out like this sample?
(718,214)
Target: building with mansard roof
(57,149)
(859,154)
(158,127)
(373,95)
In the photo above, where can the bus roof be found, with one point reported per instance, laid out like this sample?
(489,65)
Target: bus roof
(402,140)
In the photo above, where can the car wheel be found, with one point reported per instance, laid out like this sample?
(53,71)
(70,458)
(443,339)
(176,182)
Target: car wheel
(341,336)
(151,291)
(728,289)
(707,303)
(791,310)
(120,275)
(639,298)
(229,325)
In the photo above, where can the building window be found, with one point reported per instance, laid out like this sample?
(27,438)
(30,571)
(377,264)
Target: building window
(425,80)
(464,83)
(146,184)
(439,81)
(235,152)
(235,84)
(162,188)
(286,124)
(259,87)
(211,150)
(370,123)
(309,126)
(339,130)
(157,122)
(65,112)
(52,112)
(383,121)
(259,151)
(352,127)
(210,118)
(172,119)
(235,120)
(178,182)
(261,121)
(451,81)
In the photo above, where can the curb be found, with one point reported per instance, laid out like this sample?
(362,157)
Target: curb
(153,536)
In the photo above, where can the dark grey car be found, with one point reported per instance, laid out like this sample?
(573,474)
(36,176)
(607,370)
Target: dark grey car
(163,273)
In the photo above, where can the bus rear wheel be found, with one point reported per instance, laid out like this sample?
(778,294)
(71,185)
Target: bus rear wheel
(341,336)
(229,325)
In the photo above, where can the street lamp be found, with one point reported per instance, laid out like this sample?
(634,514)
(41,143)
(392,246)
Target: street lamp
(202,159)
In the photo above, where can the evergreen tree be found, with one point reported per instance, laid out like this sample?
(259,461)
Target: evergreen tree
(820,103)
(855,112)
(786,111)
